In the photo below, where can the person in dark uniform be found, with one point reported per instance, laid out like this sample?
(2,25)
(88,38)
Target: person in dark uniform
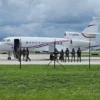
(67,54)
(79,55)
(16,50)
(51,56)
(24,53)
(56,54)
(73,55)
(18,54)
(62,55)
(27,55)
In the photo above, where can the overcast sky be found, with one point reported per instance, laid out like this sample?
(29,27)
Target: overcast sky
(45,17)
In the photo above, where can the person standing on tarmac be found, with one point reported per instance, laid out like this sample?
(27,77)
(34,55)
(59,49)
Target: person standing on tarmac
(73,55)
(67,54)
(56,54)
(79,54)
(62,55)
(18,54)
(27,55)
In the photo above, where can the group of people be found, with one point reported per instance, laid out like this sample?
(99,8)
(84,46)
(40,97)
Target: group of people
(24,52)
(64,55)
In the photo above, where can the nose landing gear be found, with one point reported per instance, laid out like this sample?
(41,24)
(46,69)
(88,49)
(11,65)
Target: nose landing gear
(9,56)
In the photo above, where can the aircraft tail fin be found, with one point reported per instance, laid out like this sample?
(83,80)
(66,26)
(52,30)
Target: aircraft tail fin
(92,29)
(88,33)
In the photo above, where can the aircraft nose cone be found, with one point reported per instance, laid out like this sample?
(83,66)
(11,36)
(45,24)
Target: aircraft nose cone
(2,47)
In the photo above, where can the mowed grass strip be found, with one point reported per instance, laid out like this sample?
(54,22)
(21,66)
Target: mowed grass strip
(38,82)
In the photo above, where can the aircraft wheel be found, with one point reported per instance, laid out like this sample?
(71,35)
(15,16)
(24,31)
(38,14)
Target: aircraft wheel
(9,58)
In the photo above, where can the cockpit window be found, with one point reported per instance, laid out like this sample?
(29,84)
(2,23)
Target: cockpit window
(3,40)
(8,40)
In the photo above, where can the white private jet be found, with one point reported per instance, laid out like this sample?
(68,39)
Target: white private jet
(42,44)
(34,44)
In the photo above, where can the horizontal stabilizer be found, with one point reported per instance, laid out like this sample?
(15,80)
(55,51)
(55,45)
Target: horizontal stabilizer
(91,33)
(96,17)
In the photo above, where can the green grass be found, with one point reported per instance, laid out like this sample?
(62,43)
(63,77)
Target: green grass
(38,82)
(92,54)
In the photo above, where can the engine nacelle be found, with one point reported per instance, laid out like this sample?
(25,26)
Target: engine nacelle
(79,43)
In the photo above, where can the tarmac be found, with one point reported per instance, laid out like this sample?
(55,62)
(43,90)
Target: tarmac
(44,59)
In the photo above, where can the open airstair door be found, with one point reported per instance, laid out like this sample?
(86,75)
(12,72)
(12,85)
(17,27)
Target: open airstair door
(16,46)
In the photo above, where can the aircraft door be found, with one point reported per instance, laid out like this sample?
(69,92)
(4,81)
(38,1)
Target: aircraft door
(16,44)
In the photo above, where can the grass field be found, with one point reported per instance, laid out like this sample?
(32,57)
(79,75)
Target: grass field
(37,82)
(92,54)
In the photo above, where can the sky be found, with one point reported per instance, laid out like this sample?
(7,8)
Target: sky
(46,18)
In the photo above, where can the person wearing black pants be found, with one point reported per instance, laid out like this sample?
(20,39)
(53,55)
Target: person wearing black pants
(67,54)
(73,55)
(62,55)
(56,54)
(79,55)
(27,55)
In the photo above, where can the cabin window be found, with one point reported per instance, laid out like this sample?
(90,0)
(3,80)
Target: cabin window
(8,40)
